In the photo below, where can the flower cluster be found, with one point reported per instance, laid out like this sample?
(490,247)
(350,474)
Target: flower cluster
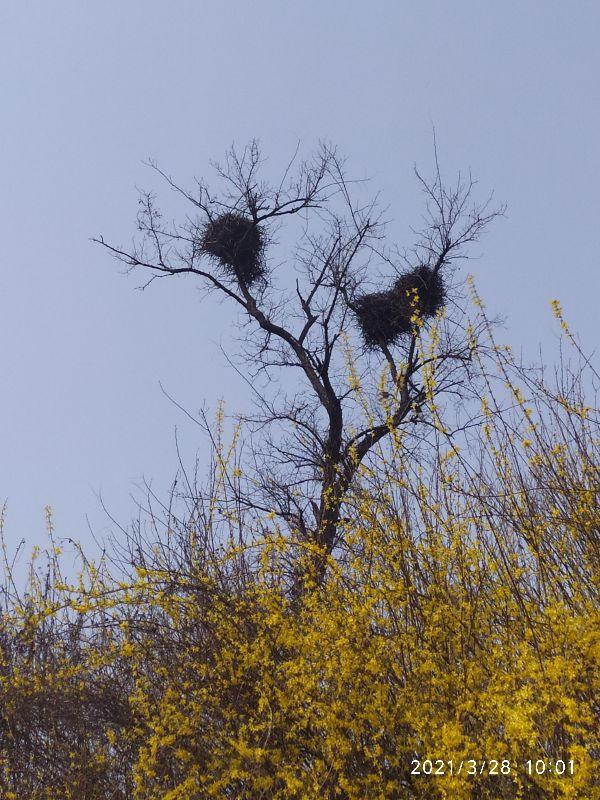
(458,619)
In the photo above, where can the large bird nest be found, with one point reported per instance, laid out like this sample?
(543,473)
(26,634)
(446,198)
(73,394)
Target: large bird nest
(237,243)
(381,318)
(384,317)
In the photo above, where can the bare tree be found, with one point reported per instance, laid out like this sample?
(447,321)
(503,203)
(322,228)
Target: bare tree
(317,315)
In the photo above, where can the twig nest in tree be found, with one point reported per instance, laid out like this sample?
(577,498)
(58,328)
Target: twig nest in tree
(383,317)
(236,242)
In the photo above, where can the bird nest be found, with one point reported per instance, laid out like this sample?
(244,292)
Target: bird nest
(237,243)
(381,318)
(384,317)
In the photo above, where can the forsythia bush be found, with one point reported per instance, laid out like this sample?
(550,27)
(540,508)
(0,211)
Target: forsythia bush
(456,633)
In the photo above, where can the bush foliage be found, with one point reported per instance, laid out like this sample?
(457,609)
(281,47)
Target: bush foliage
(458,620)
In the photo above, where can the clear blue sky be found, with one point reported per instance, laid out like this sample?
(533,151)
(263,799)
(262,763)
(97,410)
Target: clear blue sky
(90,89)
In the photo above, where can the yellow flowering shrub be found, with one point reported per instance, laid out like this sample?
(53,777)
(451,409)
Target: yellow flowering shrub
(451,650)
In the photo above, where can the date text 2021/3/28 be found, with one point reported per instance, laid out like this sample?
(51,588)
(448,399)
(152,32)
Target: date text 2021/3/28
(492,766)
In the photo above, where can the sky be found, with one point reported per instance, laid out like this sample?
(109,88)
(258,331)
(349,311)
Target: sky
(90,90)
